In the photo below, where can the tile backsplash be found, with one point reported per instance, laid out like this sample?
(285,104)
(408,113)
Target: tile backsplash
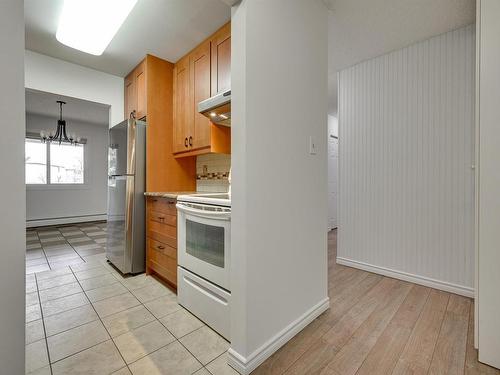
(212,171)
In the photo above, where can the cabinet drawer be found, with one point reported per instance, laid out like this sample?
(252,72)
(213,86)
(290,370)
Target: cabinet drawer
(164,229)
(164,266)
(162,218)
(162,259)
(162,205)
(162,233)
(156,246)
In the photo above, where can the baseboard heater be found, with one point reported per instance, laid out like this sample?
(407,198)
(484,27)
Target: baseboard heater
(64,220)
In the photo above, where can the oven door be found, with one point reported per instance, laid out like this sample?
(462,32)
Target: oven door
(204,241)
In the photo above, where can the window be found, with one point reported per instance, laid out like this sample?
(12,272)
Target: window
(66,163)
(53,163)
(35,158)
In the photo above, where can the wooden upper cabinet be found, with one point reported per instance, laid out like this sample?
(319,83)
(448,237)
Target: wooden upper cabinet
(182,106)
(199,63)
(149,91)
(221,59)
(135,92)
(191,85)
(208,71)
(140,81)
(130,93)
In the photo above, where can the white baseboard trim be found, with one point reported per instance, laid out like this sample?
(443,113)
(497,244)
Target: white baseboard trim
(417,279)
(65,220)
(247,365)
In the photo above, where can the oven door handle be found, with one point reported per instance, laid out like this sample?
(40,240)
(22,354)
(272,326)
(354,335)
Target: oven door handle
(219,215)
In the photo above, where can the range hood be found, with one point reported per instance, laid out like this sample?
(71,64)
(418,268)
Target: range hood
(217,108)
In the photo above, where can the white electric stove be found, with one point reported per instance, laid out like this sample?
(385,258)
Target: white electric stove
(204,256)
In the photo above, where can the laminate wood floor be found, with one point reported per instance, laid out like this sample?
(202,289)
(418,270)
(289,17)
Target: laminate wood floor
(378,325)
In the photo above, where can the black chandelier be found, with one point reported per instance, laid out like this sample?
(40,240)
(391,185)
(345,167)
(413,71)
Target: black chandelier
(60,134)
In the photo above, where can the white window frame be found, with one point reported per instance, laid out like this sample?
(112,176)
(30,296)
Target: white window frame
(51,186)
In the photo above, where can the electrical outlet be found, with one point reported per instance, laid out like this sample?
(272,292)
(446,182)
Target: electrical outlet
(313,145)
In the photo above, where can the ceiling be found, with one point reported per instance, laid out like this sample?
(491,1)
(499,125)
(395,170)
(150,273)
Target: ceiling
(44,104)
(358,30)
(362,29)
(165,28)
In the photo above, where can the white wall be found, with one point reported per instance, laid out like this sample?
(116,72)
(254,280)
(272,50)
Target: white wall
(406,201)
(56,76)
(12,198)
(279,190)
(488,237)
(333,158)
(75,202)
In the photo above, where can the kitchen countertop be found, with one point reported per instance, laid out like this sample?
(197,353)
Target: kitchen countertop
(168,194)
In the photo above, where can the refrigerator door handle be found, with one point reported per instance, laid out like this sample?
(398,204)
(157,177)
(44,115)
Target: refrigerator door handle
(131,141)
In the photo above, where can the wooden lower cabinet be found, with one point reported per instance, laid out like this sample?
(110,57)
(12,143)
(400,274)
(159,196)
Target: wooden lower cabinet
(161,239)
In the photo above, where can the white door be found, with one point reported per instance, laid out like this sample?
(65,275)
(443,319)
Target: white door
(489,183)
(333,155)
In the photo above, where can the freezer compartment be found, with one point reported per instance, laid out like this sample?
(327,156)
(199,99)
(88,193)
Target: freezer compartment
(125,141)
(205,300)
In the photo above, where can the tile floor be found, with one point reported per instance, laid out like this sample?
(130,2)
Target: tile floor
(83,317)
(57,247)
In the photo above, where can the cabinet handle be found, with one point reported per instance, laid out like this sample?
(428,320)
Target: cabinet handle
(160,247)
(161,218)
(185,142)
(190,141)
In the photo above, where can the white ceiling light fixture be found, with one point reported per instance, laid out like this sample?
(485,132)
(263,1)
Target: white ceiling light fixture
(90,25)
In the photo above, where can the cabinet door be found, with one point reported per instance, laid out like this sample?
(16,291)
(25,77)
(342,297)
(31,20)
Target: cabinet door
(140,83)
(130,95)
(200,86)
(221,60)
(182,106)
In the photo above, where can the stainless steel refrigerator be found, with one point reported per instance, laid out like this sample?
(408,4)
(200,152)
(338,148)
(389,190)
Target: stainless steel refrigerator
(125,247)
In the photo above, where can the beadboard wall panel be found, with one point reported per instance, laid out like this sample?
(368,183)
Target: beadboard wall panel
(406,149)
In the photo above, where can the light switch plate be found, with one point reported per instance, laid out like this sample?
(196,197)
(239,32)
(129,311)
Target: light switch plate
(313,145)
